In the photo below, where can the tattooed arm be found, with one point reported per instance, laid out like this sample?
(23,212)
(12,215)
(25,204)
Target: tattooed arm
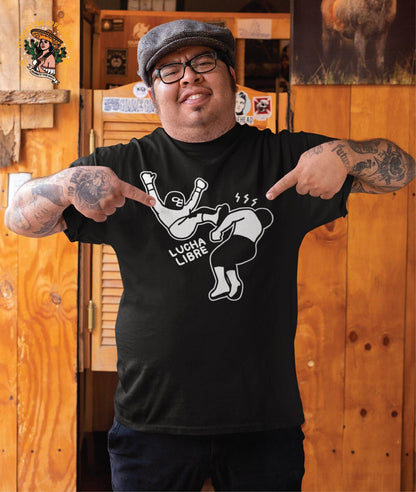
(37,207)
(378,166)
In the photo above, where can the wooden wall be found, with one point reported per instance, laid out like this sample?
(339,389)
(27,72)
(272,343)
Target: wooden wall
(356,340)
(355,343)
(38,302)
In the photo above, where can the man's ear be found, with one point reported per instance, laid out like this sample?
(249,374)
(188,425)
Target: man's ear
(234,77)
(232,72)
(151,93)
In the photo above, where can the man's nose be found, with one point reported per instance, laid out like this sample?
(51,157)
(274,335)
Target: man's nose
(190,76)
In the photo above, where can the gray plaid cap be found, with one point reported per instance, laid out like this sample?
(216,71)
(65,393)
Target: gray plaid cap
(165,38)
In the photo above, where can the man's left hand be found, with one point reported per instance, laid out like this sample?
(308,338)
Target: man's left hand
(318,173)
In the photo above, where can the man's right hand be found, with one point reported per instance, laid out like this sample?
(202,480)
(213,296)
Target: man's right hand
(97,192)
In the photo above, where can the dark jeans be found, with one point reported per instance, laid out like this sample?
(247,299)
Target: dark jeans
(268,461)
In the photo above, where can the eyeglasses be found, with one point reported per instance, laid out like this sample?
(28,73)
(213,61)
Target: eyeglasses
(173,72)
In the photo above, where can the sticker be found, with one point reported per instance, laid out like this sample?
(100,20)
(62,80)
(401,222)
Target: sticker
(245,120)
(140,90)
(254,28)
(262,107)
(45,49)
(242,103)
(139,30)
(128,105)
(116,62)
(108,25)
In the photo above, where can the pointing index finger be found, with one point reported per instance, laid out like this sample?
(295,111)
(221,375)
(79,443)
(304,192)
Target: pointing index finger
(290,179)
(130,191)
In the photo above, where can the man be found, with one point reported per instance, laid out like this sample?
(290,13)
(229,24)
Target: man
(207,382)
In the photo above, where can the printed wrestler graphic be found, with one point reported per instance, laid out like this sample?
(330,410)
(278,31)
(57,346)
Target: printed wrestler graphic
(238,231)
(180,217)
(246,226)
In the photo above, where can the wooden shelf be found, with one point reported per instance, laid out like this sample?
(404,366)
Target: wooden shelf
(54,96)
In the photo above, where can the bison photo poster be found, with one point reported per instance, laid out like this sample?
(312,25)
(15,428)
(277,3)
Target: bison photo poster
(353,42)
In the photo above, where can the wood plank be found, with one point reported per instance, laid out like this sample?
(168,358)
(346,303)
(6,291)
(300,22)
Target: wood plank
(120,126)
(111,292)
(56,96)
(8,359)
(32,13)
(321,108)
(131,117)
(47,299)
(108,142)
(408,478)
(375,307)
(320,340)
(9,79)
(320,351)
(125,136)
(9,122)
(47,364)
(113,283)
(10,136)
(282,111)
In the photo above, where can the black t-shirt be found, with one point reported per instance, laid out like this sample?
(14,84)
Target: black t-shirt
(206,324)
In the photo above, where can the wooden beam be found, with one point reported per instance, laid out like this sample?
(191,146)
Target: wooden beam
(32,13)
(55,96)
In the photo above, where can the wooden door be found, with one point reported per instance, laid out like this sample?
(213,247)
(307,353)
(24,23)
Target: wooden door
(120,126)
(112,127)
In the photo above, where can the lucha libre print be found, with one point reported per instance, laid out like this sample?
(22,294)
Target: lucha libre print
(236,231)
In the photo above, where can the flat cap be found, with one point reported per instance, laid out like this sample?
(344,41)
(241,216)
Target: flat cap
(165,38)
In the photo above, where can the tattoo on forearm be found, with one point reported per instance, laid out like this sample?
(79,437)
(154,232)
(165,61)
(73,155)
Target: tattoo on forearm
(339,149)
(363,165)
(317,150)
(390,165)
(52,192)
(386,168)
(378,165)
(368,147)
(20,220)
(47,226)
(359,187)
(89,187)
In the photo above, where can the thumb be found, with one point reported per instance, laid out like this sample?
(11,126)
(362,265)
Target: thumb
(290,179)
(130,191)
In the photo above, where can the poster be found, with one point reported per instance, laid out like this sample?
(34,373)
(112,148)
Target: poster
(353,42)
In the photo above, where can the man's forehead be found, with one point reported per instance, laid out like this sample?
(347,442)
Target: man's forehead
(183,52)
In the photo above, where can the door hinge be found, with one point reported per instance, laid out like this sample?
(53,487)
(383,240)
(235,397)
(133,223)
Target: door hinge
(91,316)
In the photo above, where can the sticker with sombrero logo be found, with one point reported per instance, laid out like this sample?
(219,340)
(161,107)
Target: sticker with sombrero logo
(46,51)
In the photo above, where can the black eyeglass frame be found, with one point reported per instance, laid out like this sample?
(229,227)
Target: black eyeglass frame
(157,71)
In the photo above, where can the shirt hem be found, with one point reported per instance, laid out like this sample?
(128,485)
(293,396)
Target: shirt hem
(203,430)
